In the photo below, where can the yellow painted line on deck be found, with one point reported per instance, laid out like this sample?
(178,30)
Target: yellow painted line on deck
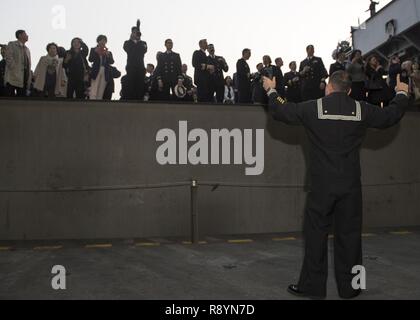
(5,248)
(48,248)
(98,246)
(188,243)
(401,233)
(239,241)
(285,239)
(148,244)
(368,235)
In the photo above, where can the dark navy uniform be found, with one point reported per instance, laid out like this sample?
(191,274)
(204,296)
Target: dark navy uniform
(280,84)
(169,71)
(259,95)
(201,75)
(336,127)
(294,90)
(189,85)
(337,66)
(136,71)
(244,81)
(217,80)
(312,79)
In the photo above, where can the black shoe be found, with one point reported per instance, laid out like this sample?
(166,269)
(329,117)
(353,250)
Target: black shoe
(294,290)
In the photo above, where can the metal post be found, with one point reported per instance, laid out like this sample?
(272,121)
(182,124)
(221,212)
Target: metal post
(194,215)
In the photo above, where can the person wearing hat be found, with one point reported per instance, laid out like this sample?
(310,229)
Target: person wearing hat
(136,71)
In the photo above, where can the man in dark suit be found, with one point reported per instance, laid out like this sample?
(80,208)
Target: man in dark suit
(136,71)
(217,79)
(280,77)
(244,77)
(270,71)
(292,81)
(168,71)
(202,73)
(313,75)
(188,84)
(336,127)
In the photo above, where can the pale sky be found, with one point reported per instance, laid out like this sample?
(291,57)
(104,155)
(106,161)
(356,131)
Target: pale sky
(279,28)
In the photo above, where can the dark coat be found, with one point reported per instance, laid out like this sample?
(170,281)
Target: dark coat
(220,66)
(337,66)
(96,64)
(244,81)
(201,75)
(135,54)
(292,81)
(169,68)
(336,131)
(311,80)
(76,64)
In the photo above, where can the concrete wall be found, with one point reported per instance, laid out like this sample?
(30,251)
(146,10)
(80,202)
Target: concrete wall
(53,145)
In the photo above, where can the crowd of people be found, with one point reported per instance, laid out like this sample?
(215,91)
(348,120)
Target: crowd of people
(83,73)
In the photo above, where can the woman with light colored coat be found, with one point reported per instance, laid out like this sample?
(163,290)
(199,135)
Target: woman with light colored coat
(49,77)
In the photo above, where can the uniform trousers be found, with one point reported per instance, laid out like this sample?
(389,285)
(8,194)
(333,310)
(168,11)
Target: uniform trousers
(332,204)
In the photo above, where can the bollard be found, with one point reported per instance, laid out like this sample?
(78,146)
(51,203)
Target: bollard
(194,214)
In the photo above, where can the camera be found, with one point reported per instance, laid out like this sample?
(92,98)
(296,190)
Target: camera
(405,77)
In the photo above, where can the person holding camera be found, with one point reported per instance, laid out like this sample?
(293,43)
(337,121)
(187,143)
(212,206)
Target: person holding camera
(217,81)
(136,71)
(257,91)
(356,70)
(77,69)
(378,91)
(102,60)
(202,73)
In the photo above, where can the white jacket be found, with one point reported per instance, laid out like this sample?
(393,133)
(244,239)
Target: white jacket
(15,64)
(41,71)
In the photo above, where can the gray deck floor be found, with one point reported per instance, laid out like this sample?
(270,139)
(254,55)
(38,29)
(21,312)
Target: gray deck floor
(261,269)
